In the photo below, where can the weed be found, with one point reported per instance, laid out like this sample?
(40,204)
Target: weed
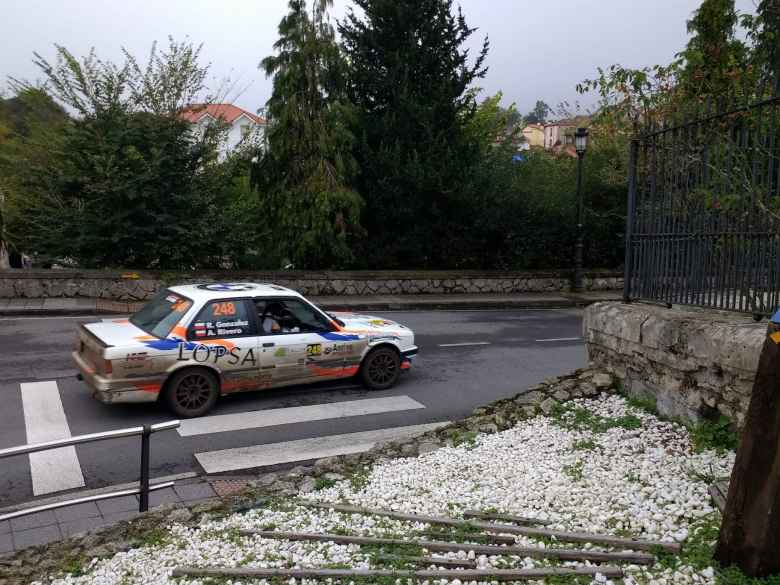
(585,445)
(716,435)
(360,479)
(577,418)
(574,470)
(322,483)
(645,404)
(466,438)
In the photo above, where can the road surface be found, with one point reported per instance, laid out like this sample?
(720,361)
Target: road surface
(467,358)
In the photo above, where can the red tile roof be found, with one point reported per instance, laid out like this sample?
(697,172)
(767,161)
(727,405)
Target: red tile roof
(227,112)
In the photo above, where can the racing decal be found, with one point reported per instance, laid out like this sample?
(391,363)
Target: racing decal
(314,349)
(280,352)
(237,382)
(333,336)
(202,353)
(227,309)
(339,348)
(136,356)
(152,387)
(227,287)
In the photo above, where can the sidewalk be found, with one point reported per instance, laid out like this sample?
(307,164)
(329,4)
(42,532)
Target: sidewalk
(552,300)
(51,525)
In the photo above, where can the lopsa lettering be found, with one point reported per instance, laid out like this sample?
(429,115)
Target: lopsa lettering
(216,354)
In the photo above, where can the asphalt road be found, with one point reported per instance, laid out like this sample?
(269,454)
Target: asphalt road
(518,349)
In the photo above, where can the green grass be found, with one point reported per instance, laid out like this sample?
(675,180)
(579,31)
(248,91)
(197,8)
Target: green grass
(699,549)
(322,483)
(580,419)
(645,404)
(574,471)
(466,438)
(585,445)
(717,435)
(360,479)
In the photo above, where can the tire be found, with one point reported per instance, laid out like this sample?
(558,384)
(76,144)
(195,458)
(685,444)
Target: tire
(381,368)
(192,392)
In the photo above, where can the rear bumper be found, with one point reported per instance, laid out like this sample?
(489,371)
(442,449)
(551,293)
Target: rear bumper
(111,391)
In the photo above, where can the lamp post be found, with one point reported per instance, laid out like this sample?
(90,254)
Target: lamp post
(580,145)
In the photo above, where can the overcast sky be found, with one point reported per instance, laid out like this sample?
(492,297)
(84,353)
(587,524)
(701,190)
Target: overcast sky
(539,49)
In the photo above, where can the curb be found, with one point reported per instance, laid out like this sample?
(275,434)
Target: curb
(418,305)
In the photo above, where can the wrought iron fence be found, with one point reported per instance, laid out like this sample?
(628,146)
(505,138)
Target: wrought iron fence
(703,224)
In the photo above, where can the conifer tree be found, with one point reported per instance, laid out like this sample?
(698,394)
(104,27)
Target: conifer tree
(408,78)
(305,175)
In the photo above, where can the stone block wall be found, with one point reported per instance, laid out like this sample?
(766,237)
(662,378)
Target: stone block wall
(140,286)
(694,363)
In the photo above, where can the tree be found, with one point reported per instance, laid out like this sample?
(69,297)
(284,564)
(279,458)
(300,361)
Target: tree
(30,126)
(408,77)
(713,57)
(539,114)
(306,173)
(127,183)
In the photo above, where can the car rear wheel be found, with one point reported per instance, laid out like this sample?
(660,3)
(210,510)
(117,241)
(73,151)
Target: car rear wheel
(381,368)
(192,392)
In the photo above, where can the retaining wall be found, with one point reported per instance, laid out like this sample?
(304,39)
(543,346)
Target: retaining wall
(139,286)
(694,363)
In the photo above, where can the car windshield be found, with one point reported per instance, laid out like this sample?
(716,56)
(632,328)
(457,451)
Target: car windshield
(160,314)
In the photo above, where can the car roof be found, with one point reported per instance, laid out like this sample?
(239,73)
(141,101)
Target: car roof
(227,290)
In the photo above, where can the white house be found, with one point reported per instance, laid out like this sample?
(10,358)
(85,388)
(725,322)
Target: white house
(243,125)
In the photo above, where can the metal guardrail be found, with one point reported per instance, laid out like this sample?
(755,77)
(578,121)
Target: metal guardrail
(144,488)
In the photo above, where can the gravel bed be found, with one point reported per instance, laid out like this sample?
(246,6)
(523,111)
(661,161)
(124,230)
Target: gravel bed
(638,478)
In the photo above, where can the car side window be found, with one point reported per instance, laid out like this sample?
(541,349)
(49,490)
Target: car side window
(223,318)
(280,316)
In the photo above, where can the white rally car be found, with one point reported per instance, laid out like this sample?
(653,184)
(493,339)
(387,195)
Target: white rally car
(193,343)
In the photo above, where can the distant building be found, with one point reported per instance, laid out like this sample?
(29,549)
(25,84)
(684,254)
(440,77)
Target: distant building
(559,136)
(534,135)
(244,125)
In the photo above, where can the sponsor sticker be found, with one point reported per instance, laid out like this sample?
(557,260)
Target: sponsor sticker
(314,349)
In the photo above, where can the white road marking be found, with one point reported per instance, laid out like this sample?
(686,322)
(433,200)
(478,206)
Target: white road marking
(44,420)
(296,414)
(560,339)
(466,344)
(304,449)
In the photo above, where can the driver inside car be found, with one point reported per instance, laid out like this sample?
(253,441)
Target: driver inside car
(278,319)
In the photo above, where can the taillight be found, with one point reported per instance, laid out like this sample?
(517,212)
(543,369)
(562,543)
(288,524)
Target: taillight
(108,368)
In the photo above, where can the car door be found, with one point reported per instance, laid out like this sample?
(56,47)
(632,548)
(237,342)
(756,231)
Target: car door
(293,342)
(223,335)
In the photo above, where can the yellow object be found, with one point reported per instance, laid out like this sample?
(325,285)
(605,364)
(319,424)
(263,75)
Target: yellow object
(775,337)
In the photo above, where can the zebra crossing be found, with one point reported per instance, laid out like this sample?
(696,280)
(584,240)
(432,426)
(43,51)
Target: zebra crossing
(59,469)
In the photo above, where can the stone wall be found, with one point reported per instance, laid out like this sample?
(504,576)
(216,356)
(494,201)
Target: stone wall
(139,286)
(694,363)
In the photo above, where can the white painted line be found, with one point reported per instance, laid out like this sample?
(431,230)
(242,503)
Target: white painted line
(466,344)
(44,419)
(297,414)
(305,449)
(560,339)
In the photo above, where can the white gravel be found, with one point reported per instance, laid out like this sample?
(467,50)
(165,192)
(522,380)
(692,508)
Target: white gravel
(645,482)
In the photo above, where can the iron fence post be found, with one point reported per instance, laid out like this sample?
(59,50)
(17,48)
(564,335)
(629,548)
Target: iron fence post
(578,285)
(144,493)
(630,210)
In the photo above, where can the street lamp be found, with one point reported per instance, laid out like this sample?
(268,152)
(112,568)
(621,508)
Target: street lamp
(580,145)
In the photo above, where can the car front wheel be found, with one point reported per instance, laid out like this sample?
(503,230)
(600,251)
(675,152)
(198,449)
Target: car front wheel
(192,393)
(381,368)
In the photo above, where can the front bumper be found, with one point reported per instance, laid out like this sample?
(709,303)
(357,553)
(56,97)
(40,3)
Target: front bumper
(407,355)
(111,391)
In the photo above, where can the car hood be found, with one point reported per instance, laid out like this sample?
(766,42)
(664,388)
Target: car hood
(369,324)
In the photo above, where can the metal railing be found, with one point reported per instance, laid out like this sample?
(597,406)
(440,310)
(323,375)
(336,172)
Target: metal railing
(142,490)
(703,224)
